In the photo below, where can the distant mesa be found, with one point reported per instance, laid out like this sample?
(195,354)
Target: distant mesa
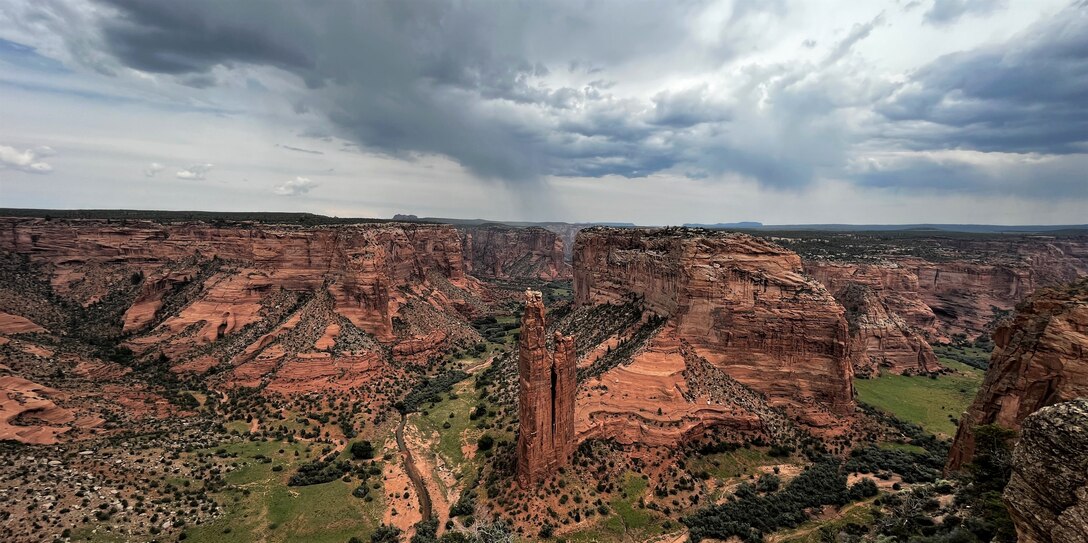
(723,225)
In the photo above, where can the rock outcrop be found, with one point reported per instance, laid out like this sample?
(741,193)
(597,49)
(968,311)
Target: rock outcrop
(1040,359)
(1047,494)
(547,385)
(507,252)
(740,305)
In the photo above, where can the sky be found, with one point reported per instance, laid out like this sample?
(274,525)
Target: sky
(652,112)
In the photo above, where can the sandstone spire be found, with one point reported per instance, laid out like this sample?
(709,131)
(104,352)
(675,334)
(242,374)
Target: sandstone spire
(547,386)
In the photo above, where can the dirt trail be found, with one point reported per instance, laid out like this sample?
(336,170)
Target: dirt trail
(413,471)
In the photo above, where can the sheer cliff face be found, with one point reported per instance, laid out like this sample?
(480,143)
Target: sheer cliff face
(880,338)
(1047,494)
(546,393)
(503,252)
(958,292)
(734,304)
(302,304)
(1041,358)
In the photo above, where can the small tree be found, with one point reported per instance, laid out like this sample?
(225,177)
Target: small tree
(362,450)
(385,534)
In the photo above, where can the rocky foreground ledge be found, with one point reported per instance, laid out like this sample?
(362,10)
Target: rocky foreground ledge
(1048,492)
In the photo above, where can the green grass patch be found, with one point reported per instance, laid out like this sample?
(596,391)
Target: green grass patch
(438,418)
(809,532)
(259,506)
(626,521)
(732,465)
(929,403)
(905,447)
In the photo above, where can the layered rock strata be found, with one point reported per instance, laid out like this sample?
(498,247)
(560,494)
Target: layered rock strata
(880,340)
(947,285)
(1040,359)
(306,307)
(1047,494)
(547,386)
(740,304)
(506,252)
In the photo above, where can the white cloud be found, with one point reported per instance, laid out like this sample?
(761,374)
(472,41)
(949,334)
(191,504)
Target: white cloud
(153,169)
(196,171)
(26,161)
(295,187)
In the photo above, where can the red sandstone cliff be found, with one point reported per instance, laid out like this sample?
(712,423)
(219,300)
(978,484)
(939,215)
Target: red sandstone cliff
(291,307)
(546,390)
(504,252)
(951,285)
(887,318)
(736,306)
(1040,359)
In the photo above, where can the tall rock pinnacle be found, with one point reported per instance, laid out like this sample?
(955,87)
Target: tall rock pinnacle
(547,386)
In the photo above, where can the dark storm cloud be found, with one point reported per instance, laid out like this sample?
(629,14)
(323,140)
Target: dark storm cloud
(517,90)
(1029,94)
(944,12)
(465,82)
(170,37)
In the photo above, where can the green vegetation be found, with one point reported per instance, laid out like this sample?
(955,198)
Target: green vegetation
(740,462)
(933,403)
(430,390)
(750,515)
(450,418)
(259,506)
(626,521)
(976,356)
(852,520)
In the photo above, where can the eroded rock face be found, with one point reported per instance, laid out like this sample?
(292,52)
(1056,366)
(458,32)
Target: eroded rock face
(294,308)
(547,385)
(1040,359)
(896,287)
(734,303)
(880,339)
(952,285)
(505,252)
(28,413)
(1047,494)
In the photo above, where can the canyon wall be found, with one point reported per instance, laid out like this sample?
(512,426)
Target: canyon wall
(505,252)
(1047,494)
(888,320)
(547,386)
(952,285)
(1040,358)
(310,306)
(735,306)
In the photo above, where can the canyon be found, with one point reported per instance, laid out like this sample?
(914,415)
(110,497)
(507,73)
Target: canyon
(505,252)
(655,355)
(944,285)
(1040,359)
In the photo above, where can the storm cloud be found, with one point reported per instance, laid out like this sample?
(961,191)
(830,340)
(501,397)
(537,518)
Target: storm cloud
(524,91)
